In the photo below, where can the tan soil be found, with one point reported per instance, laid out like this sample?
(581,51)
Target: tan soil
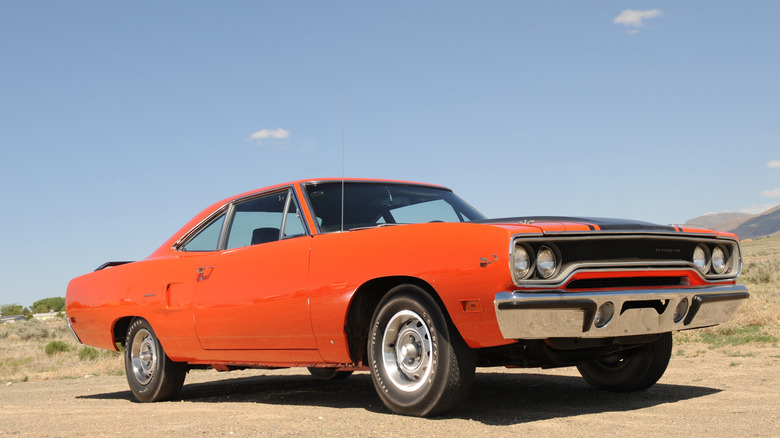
(732,391)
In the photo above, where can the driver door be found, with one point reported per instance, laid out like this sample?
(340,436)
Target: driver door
(252,294)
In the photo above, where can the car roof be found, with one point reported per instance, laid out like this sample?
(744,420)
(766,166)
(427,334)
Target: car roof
(206,212)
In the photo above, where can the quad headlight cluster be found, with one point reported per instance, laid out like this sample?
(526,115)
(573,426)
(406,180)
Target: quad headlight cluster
(539,260)
(713,260)
(543,263)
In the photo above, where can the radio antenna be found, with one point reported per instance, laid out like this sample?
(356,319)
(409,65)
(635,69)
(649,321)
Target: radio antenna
(343,122)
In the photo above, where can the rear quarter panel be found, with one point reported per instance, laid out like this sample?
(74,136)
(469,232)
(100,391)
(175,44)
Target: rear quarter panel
(156,290)
(93,302)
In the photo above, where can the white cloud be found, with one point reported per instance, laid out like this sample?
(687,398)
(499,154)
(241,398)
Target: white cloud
(270,134)
(774,164)
(771,193)
(635,18)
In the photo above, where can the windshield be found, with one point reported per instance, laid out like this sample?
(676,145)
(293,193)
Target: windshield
(377,204)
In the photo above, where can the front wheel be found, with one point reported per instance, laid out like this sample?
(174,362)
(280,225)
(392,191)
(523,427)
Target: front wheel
(419,364)
(152,376)
(630,371)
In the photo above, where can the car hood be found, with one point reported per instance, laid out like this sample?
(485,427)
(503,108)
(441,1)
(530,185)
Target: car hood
(557,224)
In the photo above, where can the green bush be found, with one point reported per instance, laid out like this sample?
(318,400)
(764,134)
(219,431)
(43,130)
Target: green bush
(53,304)
(56,347)
(89,353)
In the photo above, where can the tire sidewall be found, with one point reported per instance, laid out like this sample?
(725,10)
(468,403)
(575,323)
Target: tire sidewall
(149,391)
(640,370)
(421,400)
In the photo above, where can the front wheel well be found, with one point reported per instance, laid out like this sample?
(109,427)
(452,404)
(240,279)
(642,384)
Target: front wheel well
(363,304)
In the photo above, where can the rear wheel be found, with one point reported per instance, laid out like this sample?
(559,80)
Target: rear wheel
(152,376)
(630,371)
(419,364)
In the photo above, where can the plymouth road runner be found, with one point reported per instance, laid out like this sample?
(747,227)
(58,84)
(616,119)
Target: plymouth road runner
(409,282)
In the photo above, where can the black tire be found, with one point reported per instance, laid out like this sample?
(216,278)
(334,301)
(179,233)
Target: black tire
(152,376)
(328,373)
(432,370)
(631,371)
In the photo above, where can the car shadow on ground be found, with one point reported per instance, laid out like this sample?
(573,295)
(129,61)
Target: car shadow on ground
(495,398)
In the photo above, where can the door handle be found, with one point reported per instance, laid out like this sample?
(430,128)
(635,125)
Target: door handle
(204,272)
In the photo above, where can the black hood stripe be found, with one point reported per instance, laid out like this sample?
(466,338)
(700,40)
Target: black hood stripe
(602,224)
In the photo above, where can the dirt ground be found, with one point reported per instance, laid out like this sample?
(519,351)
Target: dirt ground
(724,392)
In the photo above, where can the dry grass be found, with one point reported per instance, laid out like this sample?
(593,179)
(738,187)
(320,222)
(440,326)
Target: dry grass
(758,318)
(23,354)
(23,344)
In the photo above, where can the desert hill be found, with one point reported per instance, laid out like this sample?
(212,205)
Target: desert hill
(720,221)
(744,225)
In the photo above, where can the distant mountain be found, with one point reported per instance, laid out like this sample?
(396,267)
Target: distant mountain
(720,221)
(744,225)
(764,224)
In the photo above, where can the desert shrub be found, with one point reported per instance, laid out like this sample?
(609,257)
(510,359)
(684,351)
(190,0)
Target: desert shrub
(89,353)
(33,329)
(60,329)
(762,272)
(55,347)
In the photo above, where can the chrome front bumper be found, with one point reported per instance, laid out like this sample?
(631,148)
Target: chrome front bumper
(555,314)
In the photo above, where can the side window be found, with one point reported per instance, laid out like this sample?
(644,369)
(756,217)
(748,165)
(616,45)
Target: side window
(207,239)
(257,221)
(293,224)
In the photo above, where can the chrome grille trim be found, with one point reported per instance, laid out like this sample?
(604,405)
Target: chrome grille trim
(634,252)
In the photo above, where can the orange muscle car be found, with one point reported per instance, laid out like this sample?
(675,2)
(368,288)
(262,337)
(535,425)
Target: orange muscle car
(410,282)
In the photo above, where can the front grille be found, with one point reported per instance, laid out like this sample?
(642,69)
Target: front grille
(634,252)
(625,250)
(624,282)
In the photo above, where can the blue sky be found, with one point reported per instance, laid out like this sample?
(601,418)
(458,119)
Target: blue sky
(119,122)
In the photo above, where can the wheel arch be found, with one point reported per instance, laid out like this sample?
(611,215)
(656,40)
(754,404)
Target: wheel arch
(364,303)
(120,329)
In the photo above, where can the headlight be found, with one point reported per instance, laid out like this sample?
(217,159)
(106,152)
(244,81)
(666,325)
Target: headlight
(718,260)
(545,262)
(700,258)
(521,262)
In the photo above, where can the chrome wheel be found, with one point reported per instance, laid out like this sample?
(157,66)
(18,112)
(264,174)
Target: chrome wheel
(143,356)
(406,350)
(419,363)
(151,374)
